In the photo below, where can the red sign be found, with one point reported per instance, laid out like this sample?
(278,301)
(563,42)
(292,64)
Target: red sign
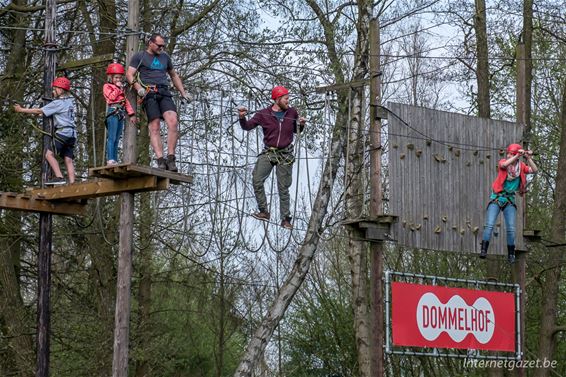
(442,317)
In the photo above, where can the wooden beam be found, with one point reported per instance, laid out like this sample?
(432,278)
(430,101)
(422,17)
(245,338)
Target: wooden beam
(346,85)
(22,202)
(122,171)
(102,187)
(76,64)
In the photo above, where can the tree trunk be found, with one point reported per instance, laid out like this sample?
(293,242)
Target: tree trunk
(18,359)
(554,260)
(482,71)
(357,248)
(528,41)
(145,266)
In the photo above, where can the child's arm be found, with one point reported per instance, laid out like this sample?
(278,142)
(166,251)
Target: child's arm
(110,92)
(530,162)
(34,111)
(509,161)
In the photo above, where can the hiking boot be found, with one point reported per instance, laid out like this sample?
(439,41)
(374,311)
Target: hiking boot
(57,181)
(161,163)
(171,163)
(484,247)
(261,215)
(286,223)
(511,254)
(111,162)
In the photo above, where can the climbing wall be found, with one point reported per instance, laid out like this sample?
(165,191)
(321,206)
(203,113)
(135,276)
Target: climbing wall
(441,166)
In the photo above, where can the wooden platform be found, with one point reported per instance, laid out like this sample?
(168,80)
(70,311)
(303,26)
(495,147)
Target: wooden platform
(375,229)
(108,180)
(532,235)
(122,171)
(29,203)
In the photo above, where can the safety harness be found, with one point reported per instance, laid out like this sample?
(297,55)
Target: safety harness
(280,156)
(509,196)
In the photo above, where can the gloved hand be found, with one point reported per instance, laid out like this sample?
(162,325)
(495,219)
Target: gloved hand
(142,92)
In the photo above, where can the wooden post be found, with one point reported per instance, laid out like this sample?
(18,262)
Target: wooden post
(124,281)
(46,219)
(377,338)
(519,267)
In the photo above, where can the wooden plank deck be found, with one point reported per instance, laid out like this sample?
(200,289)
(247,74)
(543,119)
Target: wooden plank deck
(123,171)
(102,187)
(28,203)
(109,180)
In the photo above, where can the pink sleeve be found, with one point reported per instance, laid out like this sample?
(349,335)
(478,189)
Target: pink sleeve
(110,93)
(500,163)
(129,108)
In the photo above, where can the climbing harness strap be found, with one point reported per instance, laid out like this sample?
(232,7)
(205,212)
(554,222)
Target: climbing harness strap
(509,199)
(118,109)
(280,156)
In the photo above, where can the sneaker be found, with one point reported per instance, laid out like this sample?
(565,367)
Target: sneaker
(263,216)
(161,163)
(171,163)
(286,223)
(111,162)
(57,181)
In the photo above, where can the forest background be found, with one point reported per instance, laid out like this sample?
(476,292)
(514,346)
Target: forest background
(204,273)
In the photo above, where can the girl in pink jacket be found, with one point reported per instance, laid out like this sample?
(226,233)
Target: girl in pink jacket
(511,178)
(118,107)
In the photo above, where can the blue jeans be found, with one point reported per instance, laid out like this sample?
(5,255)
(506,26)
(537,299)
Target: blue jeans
(509,213)
(114,126)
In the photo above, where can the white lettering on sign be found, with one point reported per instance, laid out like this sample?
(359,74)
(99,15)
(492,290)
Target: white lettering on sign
(456,318)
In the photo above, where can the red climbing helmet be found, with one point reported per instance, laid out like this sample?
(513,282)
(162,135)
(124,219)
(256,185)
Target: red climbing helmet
(62,82)
(514,148)
(278,91)
(115,69)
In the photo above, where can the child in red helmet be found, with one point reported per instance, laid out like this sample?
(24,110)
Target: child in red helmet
(62,109)
(118,107)
(511,178)
(279,122)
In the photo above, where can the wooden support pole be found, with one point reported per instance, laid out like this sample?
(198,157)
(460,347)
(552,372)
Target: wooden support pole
(46,219)
(377,339)
(124,281)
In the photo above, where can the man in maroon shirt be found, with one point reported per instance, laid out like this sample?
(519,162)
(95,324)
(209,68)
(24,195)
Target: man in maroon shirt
(279,122)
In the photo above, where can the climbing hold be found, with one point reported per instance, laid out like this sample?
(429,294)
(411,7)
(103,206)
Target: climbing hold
(468,163)
(438,229)
(457,153)
(418,152)
(410,146)
(476,153)
(395,146)
(428,142)
(402,156)
(439,157)
(475,230)
(444,218)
